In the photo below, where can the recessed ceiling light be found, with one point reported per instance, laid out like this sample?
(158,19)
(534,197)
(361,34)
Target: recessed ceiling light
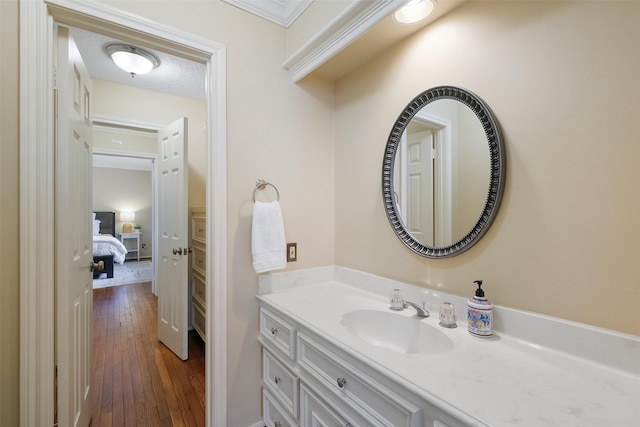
(131,59)
(414,11)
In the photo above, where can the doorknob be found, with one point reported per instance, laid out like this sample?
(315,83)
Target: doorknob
(187,250)
(96,266)
(177,251)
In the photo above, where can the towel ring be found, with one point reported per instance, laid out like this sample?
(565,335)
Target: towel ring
(260,185)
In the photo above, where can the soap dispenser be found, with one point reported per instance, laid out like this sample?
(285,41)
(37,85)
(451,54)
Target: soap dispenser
(479,313)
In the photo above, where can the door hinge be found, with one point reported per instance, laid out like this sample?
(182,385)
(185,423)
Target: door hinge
(55,78)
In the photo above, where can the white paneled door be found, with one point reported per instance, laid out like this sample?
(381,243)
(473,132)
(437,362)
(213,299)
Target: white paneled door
(173,258)
(73,236)
(420,186)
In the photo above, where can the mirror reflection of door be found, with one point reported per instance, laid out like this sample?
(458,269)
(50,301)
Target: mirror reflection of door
(425,179)
(441,173)
(417,204)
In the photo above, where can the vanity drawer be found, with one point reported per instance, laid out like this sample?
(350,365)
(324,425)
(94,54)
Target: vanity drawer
(199,291)
(274,414)
(314,411)
(358,390)
(278,332)
(281,382)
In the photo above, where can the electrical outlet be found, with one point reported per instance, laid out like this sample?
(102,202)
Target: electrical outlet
(292,252)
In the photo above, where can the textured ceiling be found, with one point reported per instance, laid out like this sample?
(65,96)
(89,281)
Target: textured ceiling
(174,76)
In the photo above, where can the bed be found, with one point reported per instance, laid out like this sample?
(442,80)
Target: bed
(106,247)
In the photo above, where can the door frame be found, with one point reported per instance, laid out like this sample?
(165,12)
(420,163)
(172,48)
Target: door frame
(37,175)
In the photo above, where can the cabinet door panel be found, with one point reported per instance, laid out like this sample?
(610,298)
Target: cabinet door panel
(274,414)
(281,382)
(347,383)
(313,413)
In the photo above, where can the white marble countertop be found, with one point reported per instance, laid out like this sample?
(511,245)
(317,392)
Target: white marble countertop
(497,381)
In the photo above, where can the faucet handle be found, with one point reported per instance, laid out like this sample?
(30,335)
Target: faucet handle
(396,301)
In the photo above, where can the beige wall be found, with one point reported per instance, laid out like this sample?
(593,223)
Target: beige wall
(562,80)
(119,190)
(126,102)
(9,216)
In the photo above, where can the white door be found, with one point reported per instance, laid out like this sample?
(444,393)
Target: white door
(173,259)
(419,185)
(73,236)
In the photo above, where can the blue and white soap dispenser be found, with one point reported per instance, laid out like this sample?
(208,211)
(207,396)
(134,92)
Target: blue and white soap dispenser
(480,313)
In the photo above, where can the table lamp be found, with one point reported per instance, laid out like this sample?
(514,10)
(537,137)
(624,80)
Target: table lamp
(127,218)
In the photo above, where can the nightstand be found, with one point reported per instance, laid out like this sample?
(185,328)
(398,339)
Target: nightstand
(132,236)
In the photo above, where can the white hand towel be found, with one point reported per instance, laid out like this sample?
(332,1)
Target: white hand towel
(267,237)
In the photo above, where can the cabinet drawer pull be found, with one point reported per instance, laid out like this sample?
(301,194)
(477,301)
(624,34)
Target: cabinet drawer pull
(341,382)
(274,331)
(277,380)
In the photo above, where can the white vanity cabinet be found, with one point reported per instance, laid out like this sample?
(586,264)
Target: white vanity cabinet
(311,381)
(368,372)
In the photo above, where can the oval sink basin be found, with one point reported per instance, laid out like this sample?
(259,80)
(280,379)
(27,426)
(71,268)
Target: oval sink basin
(396,332)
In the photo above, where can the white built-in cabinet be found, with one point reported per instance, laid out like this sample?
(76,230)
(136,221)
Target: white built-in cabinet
(310,381)
(198,271)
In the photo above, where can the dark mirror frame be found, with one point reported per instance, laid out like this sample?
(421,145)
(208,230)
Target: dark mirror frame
(497,177)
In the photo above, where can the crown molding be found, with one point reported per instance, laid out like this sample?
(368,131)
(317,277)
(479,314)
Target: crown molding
(347,27)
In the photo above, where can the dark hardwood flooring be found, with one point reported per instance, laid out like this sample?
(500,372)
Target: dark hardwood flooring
(137,380)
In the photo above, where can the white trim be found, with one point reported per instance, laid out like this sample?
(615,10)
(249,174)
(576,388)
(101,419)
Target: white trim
(37,222)
(36,191)
(281,12)
(352,23)
(216,220)
(119,153)
(105,121)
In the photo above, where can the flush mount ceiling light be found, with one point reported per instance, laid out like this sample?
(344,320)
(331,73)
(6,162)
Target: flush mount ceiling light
(131,59)
(414,11)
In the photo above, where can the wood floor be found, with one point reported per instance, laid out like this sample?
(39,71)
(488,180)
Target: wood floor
(137,380)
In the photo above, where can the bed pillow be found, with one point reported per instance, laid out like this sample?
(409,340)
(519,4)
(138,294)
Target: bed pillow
(96,227)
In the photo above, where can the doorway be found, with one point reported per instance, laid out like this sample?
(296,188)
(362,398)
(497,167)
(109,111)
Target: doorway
(38,173)
(125,183)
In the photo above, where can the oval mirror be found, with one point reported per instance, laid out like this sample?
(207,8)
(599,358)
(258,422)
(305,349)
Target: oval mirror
(443,172)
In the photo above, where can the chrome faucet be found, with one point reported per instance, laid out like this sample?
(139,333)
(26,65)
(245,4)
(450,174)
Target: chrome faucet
(420,308)
(397,303)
